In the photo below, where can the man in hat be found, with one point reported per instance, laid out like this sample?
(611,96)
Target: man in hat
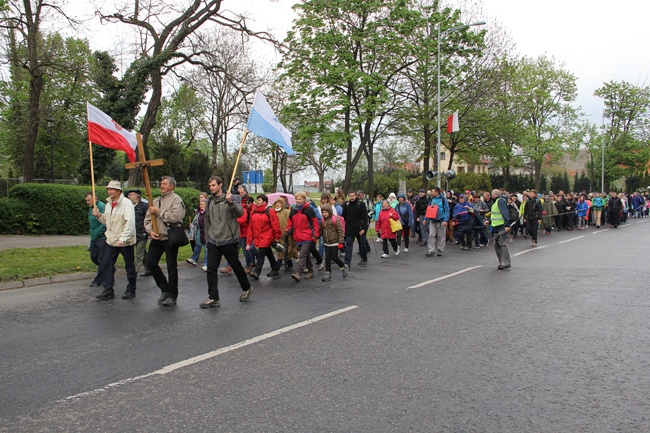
(235,187)
(169,210)
(421,205)
(140,207)
(119,217)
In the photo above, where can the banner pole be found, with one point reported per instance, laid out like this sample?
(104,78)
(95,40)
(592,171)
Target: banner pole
(92,172)
(234,170)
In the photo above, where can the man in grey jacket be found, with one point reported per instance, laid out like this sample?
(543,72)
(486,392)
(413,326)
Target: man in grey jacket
(222,237)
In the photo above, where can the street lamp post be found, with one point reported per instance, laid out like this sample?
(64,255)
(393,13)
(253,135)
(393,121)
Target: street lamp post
(446,32)
(50,123)
(602,159)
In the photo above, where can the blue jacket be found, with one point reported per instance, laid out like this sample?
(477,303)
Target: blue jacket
(405,211)
(582,208)
(443,208)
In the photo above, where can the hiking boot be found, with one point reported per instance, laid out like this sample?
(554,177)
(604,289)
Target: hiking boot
(363,262)
(249,268)
(327,277)
(227,270)
(254,275)
(245,295)
(309,275)
(273,274)
(191,261)
(163,296)
(345,270)
(106,295)
(129,294)
(430,254)
(169,302)
(95,284)
(210,303)
(296,277)
(439,253)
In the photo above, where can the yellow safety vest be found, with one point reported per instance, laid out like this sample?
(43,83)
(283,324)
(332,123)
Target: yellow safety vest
(496,218)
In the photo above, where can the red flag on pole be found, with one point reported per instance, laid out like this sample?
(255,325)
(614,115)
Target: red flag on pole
(452,123)
(104,131)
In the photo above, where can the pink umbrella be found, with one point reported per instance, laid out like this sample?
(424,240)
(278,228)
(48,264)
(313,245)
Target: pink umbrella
(288,198)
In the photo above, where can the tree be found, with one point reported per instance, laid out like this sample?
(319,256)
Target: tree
(544,91)
(29,52)
(169,38)
(627,129)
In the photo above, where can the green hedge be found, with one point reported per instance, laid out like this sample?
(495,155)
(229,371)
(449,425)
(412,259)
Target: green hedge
(51,209)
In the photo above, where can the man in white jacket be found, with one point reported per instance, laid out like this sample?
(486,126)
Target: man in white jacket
(119,217)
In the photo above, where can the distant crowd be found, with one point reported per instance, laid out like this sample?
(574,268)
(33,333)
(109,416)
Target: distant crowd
(301,236)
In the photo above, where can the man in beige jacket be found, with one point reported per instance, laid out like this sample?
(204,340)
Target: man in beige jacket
(119,218)
(169,210)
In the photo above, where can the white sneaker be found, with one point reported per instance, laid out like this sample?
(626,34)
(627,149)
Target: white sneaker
(384,256)
(191,262)
(205,268)
(397,251)
(406,250)
(378,240)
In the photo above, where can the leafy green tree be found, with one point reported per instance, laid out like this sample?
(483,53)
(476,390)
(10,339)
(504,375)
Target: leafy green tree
(544,92)
(626,132)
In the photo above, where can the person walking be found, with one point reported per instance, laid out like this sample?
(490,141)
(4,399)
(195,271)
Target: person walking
(532,213)
(197,231)
(582,209)
(384,229)
(169,210)
(421,204)
(405,212)
(463,221)
(264,229)
(500,226)
(333,238)
(597,208)
(303,226)
(437,227)
(140,207)
(119,218)
(222,236)
(355,215)
(97,239)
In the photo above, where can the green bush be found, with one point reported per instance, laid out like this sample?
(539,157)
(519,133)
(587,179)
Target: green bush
(471,181)
(14,216)
(51,209)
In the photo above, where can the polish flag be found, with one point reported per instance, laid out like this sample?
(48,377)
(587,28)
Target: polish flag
(452,123)
(104,131)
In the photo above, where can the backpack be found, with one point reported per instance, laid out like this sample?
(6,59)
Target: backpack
(514,213)
(336,218)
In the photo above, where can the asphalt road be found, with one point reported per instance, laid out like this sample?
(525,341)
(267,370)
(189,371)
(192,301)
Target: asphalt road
(558,343)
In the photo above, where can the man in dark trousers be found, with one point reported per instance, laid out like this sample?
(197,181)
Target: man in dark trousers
(356,225)
(222,236)
(532,215)
(140,207)
(500,224)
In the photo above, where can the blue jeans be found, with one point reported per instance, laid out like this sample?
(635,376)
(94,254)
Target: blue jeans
(197,252)
(248,255)
(424,229)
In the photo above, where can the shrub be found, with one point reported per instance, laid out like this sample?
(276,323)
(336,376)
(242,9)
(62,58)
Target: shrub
(52,209)
(471,181)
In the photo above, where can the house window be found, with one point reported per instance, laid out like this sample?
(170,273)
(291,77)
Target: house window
(442,156)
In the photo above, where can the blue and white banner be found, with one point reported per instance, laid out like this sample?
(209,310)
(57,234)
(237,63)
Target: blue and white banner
(262,121)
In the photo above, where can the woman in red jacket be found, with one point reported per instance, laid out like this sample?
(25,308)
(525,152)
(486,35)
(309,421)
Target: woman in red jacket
(303,226)
(383,227)
(264,230)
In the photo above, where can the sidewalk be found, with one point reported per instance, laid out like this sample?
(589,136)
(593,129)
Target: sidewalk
(8,242)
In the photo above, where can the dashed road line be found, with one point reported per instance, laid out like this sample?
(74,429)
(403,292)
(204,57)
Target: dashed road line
(527,251)
(212,354)
(569,240)
(599,231)
(444,277)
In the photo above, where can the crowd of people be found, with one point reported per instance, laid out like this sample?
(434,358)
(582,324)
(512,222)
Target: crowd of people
(301,235)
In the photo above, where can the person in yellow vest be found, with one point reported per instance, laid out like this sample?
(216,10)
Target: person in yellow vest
(500,226)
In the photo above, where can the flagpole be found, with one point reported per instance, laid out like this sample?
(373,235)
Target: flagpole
(92,168)
(234,170)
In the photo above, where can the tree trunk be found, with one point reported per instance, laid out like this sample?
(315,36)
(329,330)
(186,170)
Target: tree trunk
(537,165)
(506,178)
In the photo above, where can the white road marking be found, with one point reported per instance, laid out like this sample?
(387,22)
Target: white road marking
(599,231)
(527,251)
(212,354)
(444,277)
(569,240)
(643,221)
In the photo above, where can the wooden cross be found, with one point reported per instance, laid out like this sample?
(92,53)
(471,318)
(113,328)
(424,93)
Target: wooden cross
(144,164)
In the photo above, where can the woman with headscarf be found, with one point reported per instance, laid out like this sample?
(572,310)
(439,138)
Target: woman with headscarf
(384,230)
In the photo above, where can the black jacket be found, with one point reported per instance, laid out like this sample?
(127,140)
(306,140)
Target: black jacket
(356,217)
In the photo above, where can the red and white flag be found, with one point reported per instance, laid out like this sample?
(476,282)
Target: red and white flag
(104,131)
(452,123)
